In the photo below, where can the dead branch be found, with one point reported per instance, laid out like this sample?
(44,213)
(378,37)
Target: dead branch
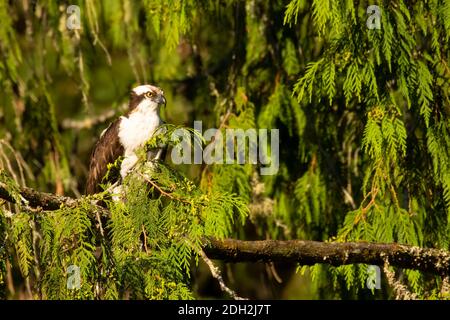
(333,253)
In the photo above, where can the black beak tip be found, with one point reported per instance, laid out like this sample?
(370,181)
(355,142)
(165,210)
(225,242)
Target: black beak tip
(162,100)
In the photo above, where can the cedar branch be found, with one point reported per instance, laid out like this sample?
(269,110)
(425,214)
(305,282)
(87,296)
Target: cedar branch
(295,251)
(46,201)
(333,253)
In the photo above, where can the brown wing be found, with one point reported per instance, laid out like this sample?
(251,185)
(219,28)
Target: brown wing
(107,149)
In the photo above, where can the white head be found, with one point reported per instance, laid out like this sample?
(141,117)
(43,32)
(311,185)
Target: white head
(146,97)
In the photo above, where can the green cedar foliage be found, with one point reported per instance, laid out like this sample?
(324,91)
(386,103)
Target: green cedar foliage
(143,251)
(364,135)
(392,85)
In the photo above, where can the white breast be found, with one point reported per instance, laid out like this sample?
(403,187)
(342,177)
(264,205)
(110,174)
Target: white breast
(134,132)
(137,129)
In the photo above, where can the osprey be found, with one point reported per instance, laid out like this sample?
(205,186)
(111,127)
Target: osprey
(126,134)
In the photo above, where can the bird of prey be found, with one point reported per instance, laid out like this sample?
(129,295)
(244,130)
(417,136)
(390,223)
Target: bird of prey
(126,134)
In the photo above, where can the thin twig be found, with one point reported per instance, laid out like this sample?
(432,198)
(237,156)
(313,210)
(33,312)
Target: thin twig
(400,290)
(9,279)
(215,272)
(145,239)
(100,227)
(88,122)
(169,195)
(274,272)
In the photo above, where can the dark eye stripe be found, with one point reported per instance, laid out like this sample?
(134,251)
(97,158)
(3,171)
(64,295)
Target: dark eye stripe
(135,100)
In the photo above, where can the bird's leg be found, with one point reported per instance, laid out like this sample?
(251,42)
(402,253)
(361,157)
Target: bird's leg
(116,190)
(117,193)
(154,154)
(128,163)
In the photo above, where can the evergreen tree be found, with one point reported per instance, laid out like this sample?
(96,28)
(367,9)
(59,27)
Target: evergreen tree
(362,112)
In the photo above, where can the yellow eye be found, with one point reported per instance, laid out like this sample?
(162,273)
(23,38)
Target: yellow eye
(149,94)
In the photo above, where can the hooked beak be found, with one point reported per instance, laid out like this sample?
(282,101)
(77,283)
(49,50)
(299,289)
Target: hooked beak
(161,100)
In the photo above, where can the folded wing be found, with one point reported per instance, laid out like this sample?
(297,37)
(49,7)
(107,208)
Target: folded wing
(107,149)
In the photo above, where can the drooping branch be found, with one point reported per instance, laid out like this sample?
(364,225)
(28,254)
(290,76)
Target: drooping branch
(89,122)
(296,251)
(216,274)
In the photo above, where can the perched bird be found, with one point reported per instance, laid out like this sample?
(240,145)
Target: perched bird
(126,134)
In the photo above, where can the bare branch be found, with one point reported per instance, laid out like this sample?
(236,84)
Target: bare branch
(89,122)
(333,253)
(46,201)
